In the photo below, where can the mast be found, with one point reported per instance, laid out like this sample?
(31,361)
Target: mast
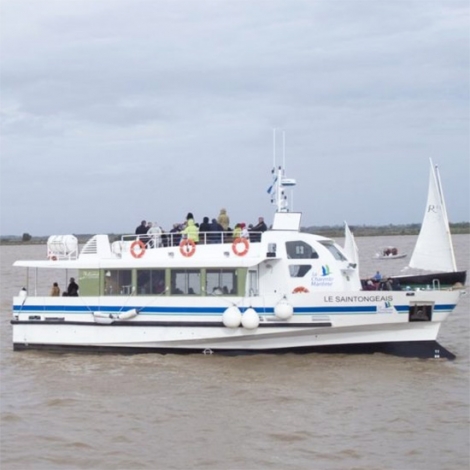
(280,182)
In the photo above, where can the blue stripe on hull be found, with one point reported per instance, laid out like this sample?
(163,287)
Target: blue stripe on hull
(212,310)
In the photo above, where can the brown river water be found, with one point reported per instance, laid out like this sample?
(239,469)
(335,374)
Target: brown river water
(211,412)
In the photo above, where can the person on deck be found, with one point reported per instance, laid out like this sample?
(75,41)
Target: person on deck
(204,228)
(377,277)
(72,289)
(155,232)
(224,219)
(142,228)
(257,230)
(217,232)
(191,231)
(55,290)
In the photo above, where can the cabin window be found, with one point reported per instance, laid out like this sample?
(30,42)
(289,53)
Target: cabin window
(221,281)
(300,250)
(150,281)
(185,282)
(334,251)
(118,282)
(299,270)
(253,282)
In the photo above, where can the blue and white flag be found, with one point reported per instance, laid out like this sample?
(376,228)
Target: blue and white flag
(270,189)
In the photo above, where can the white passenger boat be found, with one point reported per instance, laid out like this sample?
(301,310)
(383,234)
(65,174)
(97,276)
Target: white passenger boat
(283,290)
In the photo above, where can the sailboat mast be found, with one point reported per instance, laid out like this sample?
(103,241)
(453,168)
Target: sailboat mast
(437,177)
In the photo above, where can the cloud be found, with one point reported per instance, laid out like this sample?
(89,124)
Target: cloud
(117,111)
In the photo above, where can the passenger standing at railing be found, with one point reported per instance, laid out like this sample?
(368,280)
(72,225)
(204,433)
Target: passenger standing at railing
(216,229)
(142,228)
(204,230)
(191,231)
(174,235)
(259,227)
(223,219)
(155,233)
(237,231)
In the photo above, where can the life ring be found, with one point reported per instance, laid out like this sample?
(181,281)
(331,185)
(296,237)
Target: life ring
(245,249)
(185,251)
(141,246)
(53,258)
(300,290)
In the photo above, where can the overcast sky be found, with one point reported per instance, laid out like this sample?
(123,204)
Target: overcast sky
(114,111)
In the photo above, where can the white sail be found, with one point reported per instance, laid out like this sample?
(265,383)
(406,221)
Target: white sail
(434,250)
(350,247)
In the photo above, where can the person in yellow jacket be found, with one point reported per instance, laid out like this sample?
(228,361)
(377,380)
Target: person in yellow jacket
(237,231)
(191,231)
(224,219)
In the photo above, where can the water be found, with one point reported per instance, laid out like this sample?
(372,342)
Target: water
(313,411)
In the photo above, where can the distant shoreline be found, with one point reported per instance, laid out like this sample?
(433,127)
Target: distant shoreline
(461,228)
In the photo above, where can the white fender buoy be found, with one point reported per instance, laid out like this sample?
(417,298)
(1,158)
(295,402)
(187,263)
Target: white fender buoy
(127,315)
(250,319)
(283,310)
(104,318)
(232,317)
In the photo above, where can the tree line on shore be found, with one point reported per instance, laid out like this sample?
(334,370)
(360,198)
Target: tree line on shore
(335,231)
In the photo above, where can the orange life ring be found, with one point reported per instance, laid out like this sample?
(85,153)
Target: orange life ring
(300,290)
(53,258)
(245,249)
(185,251)
(139,244)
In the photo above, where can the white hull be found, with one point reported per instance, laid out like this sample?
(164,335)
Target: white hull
(390,257)
(217,337)
(318,320)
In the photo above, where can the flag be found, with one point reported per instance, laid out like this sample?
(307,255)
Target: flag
(270,189)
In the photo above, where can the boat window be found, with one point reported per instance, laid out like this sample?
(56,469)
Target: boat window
(118,282)
(186,282)
(299,270)
(253,283)
(150,281)
(221,281)
(334,251)
(300,250)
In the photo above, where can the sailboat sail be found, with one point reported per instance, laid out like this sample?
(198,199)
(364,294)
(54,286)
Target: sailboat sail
(434,250)
(350,246)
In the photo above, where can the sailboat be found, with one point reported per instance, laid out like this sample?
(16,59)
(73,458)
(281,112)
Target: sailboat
(350,247)
(434,252)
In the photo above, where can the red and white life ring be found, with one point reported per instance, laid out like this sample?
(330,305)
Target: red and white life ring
(236,243)
(187,247)
(141,250)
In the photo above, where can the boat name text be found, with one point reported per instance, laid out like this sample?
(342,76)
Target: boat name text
(358,298)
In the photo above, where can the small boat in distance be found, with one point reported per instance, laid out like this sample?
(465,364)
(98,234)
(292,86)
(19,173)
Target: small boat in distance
(389,252)
(433,256)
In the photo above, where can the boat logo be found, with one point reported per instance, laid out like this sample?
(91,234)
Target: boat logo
(325,270)
(324,279)
(387,307)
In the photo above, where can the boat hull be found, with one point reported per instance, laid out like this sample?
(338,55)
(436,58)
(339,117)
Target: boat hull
(444,279)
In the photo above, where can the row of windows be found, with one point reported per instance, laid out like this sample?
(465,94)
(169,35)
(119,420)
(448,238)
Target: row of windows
(175,282)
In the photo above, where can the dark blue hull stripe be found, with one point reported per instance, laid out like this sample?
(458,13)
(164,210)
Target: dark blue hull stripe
(210,310)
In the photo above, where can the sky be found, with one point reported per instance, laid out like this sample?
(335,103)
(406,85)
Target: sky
(114,111)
